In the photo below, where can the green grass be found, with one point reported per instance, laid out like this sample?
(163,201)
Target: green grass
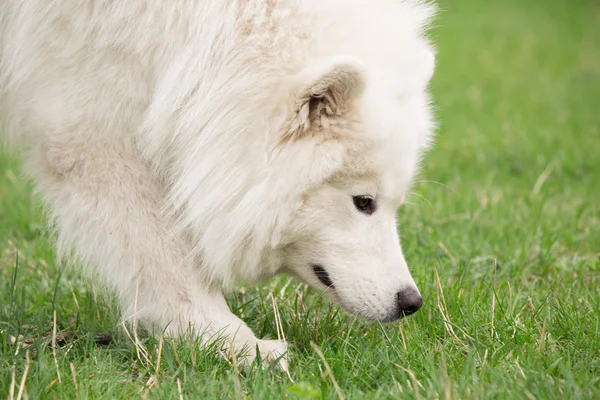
(515,242)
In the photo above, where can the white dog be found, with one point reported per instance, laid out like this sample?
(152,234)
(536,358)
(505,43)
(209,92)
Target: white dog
(183,145)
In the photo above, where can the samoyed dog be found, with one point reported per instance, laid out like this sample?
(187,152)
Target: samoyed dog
(181,146)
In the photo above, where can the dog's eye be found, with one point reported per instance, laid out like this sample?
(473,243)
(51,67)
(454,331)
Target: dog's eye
(364,204)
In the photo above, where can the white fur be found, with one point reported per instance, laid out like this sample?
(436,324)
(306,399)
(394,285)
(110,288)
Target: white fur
(184,145)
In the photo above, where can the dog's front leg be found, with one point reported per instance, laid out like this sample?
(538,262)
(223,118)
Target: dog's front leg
(107,210)
(213,319)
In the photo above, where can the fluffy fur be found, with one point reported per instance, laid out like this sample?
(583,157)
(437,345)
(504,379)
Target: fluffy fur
(182,146)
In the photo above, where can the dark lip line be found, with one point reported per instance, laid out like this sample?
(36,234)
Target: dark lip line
(322,275)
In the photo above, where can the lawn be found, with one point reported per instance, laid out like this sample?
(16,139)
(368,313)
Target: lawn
(502,235)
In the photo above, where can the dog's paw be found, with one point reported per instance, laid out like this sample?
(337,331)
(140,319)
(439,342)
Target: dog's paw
(270,352)
(274,351)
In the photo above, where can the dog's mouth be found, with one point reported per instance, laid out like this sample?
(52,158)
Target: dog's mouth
(323,276)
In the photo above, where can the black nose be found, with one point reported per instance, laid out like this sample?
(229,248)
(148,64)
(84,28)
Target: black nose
(409,301)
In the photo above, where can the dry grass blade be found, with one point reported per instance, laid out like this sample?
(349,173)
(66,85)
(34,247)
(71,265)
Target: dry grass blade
(141,351)
(54,349)
(442,306)
(280,332)
(13,383)
(413,377)
(24,377)
(494,299)
(329,371)
(543,177)
(74,374)
(179,390)
(159,356)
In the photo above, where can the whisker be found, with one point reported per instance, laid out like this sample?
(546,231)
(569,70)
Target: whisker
(423,197)
(437,183)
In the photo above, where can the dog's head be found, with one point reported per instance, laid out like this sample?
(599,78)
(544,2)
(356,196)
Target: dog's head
(359,142)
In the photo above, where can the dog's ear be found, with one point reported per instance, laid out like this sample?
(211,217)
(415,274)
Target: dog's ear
(322,93)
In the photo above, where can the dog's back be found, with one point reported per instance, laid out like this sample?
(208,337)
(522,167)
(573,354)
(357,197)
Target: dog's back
(61,61)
